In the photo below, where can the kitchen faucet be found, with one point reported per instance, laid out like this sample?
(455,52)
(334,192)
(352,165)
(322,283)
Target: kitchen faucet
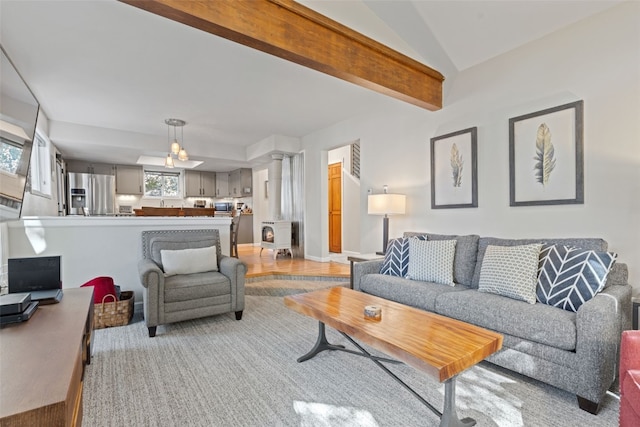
(162,203)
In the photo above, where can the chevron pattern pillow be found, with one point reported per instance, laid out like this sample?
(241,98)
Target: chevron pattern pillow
(396,259)
(568,277)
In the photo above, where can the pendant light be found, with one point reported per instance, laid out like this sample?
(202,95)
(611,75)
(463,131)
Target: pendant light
(168,162)
(182,153)
(175,148)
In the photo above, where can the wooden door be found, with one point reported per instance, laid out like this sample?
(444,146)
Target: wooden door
(335,207)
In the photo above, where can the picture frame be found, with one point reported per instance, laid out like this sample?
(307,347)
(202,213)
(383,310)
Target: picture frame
(546,157)
(454,170)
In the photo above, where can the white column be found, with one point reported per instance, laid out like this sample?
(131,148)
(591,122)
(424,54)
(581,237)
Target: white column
(275,187)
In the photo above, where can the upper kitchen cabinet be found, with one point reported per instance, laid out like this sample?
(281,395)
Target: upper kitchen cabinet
(200,184)
(240,183)
(80,166)
(129,180)
(222,184)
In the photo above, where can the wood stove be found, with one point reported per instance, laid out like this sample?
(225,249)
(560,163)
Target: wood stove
(276,235)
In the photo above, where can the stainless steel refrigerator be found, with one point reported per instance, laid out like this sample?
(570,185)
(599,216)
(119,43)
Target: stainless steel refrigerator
(91,194)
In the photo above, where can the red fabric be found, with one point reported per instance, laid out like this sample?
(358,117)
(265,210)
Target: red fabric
(102,286)
(630,379)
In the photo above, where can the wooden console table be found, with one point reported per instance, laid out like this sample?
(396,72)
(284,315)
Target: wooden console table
(42,363)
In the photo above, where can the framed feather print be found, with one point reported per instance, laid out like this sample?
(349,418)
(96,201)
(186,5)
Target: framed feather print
(546,157)
(454,170)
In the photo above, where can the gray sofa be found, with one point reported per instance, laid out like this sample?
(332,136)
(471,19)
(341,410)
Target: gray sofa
(577,352)
(188,296)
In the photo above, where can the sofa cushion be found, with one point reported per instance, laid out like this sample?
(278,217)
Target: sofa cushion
(396,259)
(512,317)
(188,261)
(186,287)
(431,261)
(464,263)
(511,271)
(409,292)
(585,243)
(568,277)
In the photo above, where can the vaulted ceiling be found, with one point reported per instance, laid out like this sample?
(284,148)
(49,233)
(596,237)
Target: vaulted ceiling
(107,74)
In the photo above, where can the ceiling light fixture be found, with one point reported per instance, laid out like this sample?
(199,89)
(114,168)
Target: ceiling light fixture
(175,148)
(168,163)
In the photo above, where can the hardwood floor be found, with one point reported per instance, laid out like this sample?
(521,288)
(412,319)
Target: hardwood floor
(265,265)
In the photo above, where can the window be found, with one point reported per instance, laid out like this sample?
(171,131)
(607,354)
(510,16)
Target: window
(40,169)
(10,153)
(161,184)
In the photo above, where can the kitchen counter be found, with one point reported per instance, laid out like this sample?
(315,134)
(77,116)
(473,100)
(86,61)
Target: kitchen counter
(154,211)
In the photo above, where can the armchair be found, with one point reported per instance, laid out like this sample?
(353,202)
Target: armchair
(630,379)
(179,297)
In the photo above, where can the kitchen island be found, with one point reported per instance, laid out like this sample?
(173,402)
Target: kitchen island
(153,211)
(100,246)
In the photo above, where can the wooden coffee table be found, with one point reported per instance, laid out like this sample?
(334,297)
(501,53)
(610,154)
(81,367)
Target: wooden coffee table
(440,346)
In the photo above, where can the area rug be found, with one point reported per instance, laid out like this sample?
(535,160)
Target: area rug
(218,371)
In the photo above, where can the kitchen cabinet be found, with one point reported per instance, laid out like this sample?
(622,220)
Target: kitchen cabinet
(129,180)
(240,182)
(200,184)
(80,166)
(222,184)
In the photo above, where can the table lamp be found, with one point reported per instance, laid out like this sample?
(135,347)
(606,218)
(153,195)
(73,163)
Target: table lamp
(386,204)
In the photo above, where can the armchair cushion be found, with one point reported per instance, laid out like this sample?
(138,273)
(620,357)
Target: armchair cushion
(186,287)
(175,241)
(189,261)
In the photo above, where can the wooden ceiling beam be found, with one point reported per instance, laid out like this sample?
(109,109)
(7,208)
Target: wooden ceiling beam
(296,33)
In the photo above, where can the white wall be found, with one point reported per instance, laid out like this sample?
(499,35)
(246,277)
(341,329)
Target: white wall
(596,60)
(341,155)
(260,203)
(350,213)
(37,204)
(95,246)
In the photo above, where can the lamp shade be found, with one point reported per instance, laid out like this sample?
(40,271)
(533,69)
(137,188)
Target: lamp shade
(386,204)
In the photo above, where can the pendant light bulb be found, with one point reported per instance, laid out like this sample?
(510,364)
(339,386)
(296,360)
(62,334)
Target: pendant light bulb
(168,162)
(182,155)
(175,147)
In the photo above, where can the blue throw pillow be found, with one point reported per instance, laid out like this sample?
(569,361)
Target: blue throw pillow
(568,277)
(396,259)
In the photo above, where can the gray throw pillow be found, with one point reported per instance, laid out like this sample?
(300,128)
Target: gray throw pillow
(511,271)
(431,261)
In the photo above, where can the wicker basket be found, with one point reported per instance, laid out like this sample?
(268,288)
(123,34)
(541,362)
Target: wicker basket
(113,313)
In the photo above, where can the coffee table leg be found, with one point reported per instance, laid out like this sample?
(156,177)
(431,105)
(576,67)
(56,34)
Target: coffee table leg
(320,345)
(449,415)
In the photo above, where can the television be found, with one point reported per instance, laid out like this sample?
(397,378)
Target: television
(34,274)
(18,115)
